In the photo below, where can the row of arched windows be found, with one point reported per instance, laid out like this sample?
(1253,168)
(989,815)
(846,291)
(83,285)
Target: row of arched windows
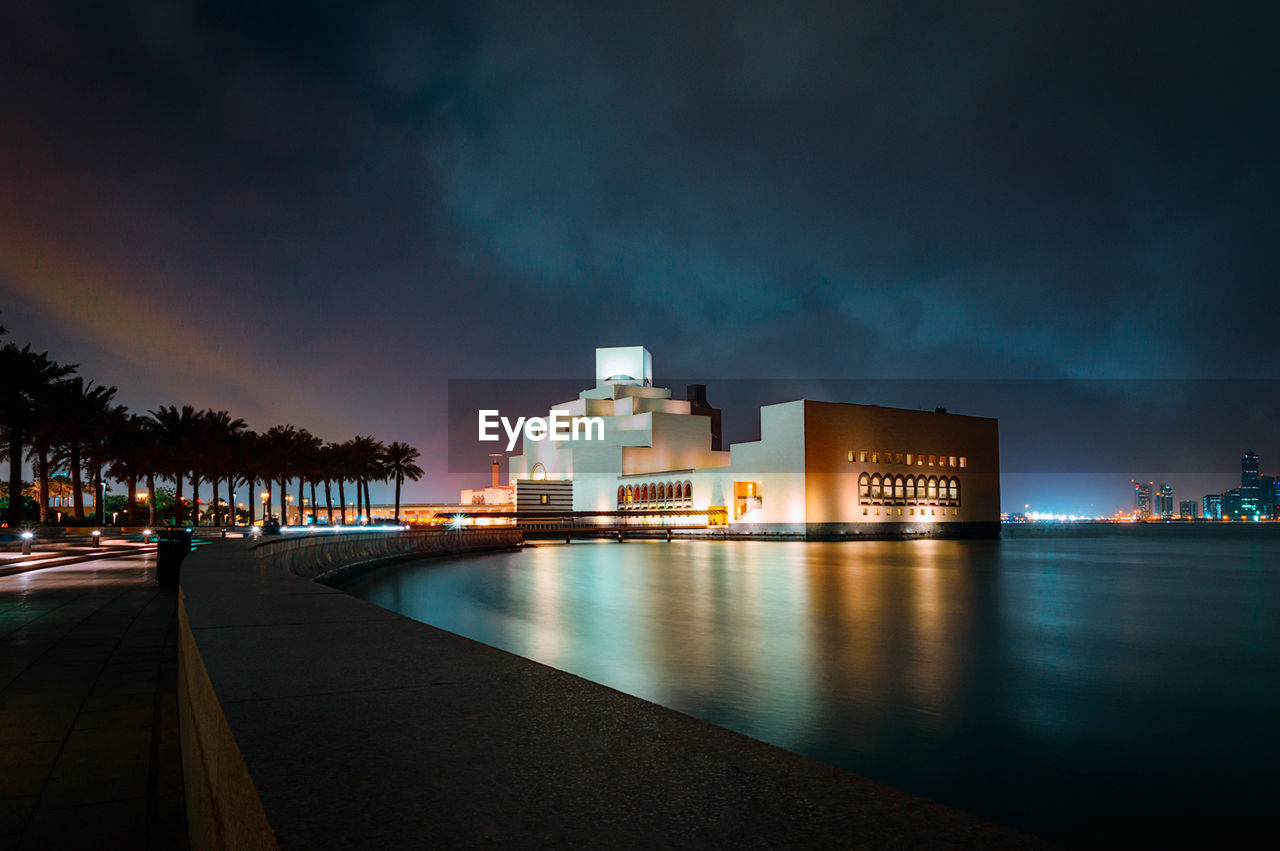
(875,487)
(647,494)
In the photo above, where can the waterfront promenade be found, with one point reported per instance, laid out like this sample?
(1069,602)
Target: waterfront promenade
(88,715)
(311,718)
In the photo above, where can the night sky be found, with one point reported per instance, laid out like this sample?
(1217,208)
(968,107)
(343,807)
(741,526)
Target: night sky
(318,213)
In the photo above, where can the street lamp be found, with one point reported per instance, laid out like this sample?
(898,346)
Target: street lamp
(266,495)
(26,542)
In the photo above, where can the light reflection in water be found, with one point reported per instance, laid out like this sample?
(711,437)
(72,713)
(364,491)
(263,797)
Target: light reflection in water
(1079,688)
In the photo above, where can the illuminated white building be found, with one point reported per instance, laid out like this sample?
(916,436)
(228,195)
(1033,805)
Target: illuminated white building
(819,469)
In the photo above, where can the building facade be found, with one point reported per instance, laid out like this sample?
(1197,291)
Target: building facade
(819,469)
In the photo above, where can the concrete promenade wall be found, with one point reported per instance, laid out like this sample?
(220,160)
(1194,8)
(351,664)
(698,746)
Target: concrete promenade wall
(314,719)
(333,558)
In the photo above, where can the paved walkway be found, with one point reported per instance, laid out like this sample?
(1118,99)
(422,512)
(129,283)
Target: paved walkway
(88,711)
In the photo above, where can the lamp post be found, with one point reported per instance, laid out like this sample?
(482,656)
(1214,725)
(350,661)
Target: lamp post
(26,542)
(266,506)
(288,498)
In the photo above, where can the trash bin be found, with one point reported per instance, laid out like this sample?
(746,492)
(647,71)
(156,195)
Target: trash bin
(172,546)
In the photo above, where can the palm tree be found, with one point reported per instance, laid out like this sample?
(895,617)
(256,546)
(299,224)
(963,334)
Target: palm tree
(398,459)
(130,449)
(26,375)
(367,454)
(105,426)
(221,437)
(278,458)
(83,409)
(176,432)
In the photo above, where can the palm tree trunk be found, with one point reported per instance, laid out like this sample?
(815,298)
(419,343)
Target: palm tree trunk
(179,513)
(284,504)
(151,498)
(77,495)
(42,470)
(399,479)
(342,502)
(328,500)
(131,501)
(368,504)
(15,476)
(195,500)
(300,521)
(313,503)
(248,484)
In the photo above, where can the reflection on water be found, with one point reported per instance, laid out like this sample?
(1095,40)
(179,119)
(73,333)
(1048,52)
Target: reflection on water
(1093,690)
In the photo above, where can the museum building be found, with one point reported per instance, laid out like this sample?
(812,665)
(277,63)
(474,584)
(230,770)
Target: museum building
(819,469)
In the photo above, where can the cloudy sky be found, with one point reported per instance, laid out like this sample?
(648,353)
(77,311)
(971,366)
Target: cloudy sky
(319,213)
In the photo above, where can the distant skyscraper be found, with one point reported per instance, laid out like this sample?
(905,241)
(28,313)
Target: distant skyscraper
(1189,509)
(1212,506)
(1142,499)
(1250,495)
(1248,470)
(1164,501)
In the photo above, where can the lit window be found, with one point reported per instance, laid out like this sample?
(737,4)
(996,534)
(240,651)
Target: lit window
(911,511)
(911,487)
(953,512)
(909,461)
(875,457)
(897,459)
(951,461)
(898,488)
(932,458)
(899,512)
(964,462)
(543,499)
(876,490)
(933,512)
(864,486)
(862,457)
(955,490)
(864,512)
(877,512)
(850,454)
(932,493)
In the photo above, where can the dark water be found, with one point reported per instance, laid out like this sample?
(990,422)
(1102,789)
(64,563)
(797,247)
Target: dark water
(1094,690)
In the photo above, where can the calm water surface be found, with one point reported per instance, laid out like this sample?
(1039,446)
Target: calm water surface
(1094,690)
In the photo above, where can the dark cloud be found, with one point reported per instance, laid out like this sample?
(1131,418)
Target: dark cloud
(380,196)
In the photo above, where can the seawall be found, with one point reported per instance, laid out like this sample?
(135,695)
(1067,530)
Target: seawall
(313,719)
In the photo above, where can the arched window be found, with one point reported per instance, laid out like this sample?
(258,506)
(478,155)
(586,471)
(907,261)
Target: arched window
(631,495)
(875,486)
(911,487)
(671,491)
(933,488)
(662,491)
(955,491)
(688,489)
(622,495)
(538,472)
(864,486)
(898,487)
(920,487)
(644,493)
